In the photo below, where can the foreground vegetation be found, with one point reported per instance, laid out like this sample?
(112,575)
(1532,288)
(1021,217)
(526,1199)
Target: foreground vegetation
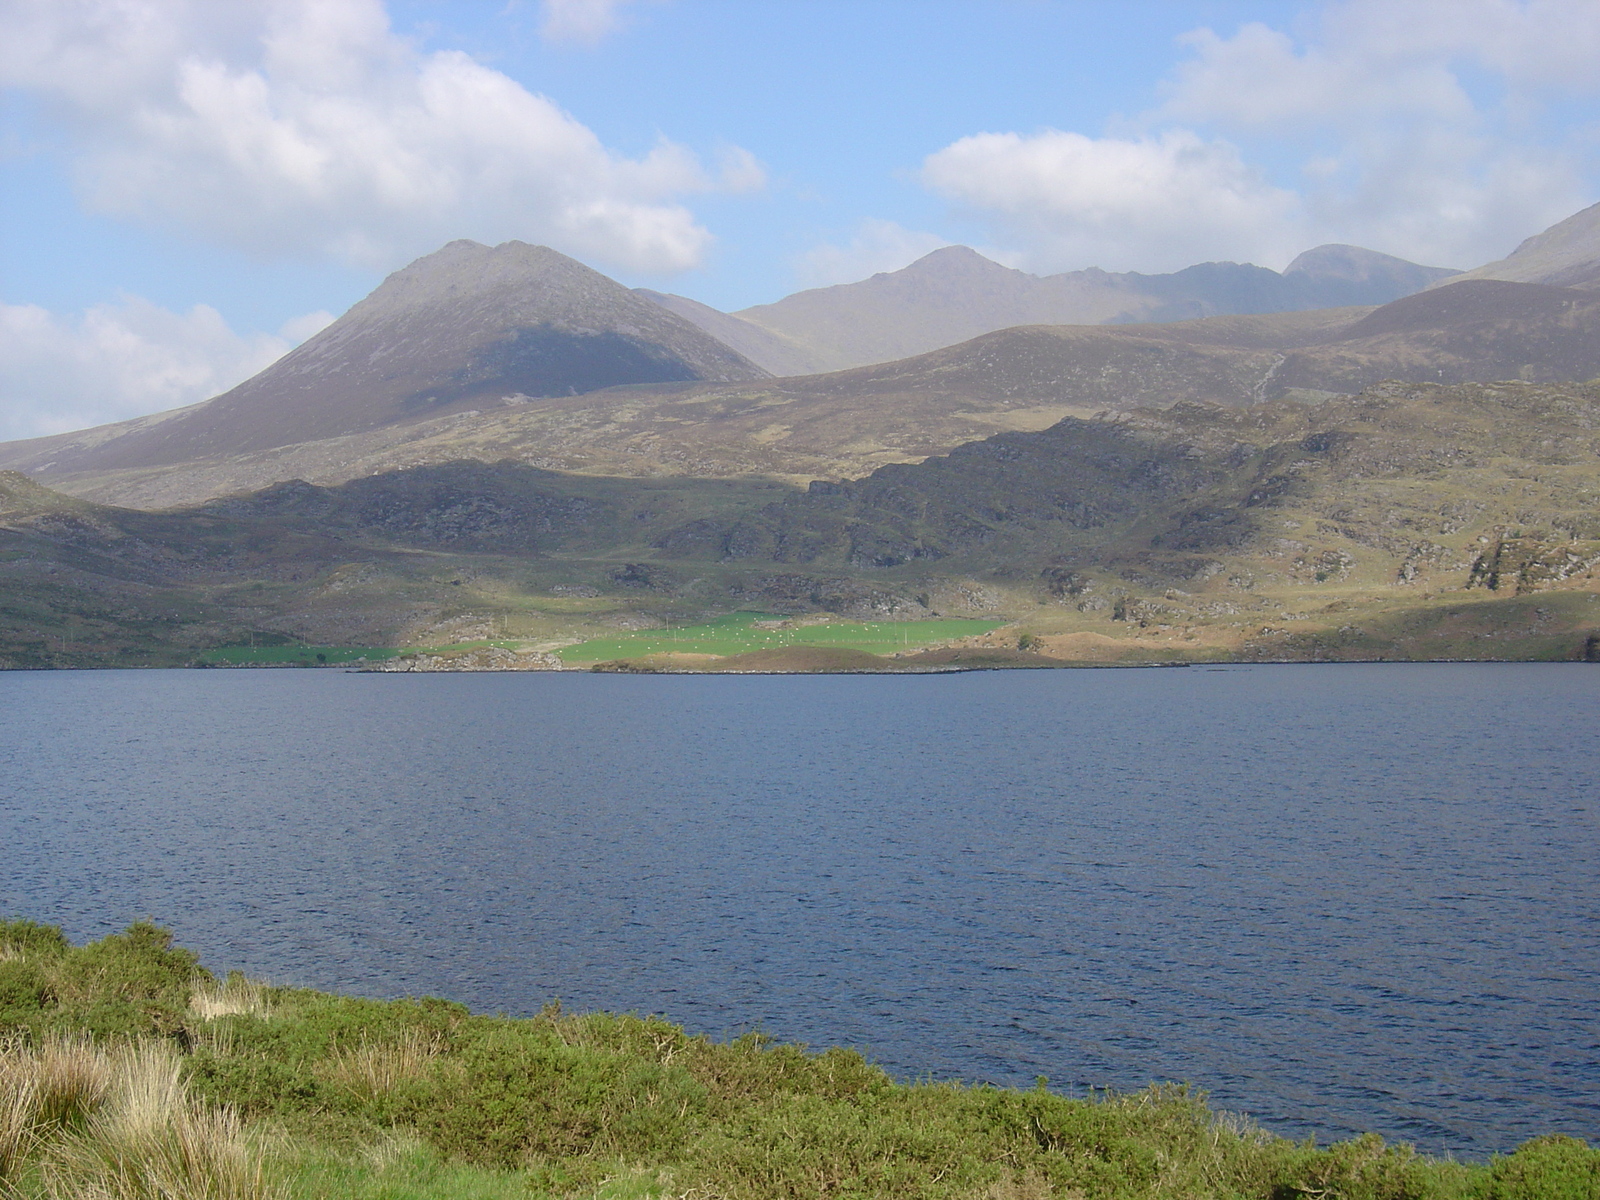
(129,1072)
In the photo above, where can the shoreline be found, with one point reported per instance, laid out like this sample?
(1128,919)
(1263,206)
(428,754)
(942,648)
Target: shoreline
(568,1104)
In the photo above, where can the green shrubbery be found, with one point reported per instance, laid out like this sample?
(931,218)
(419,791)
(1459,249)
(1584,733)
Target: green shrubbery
(338,1096)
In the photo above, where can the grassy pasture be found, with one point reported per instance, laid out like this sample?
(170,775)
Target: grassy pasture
(747,632)
(267,656)
(295,655)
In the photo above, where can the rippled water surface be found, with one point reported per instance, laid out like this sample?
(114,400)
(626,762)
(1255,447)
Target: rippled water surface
(1337,897)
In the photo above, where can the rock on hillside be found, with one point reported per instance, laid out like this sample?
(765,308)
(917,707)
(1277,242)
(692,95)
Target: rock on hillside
(468,326)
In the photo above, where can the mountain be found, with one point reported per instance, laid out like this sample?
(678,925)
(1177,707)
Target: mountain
(465,327)
(1474,330)
(771,352)
(955,294)
(845,424)
(1363,507)
(1565,255)
(1411,521)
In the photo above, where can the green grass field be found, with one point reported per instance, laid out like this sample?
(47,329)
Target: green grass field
(265,656)
(743,632)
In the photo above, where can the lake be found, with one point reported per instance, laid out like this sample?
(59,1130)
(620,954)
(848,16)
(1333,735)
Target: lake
(1337,897)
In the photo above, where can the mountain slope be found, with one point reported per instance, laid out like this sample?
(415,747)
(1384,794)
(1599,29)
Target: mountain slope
(1565,255)
(1404,484)
(845,424)
(464,327)
(956,294)
(1476,330)
(1412,521)
(772,352)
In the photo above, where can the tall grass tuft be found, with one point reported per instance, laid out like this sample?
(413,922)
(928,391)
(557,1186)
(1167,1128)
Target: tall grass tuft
(45,1089)
(149,1141)
(372,1069)
(72,1079)
(18,1103)
(237,996)
(98,1124)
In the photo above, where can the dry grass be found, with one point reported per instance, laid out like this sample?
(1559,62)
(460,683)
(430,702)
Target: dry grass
(234,997)
(44,1089)
(18,1101)
(369,1069)
(97,1124)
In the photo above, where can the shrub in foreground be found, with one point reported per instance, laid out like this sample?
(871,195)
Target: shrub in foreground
(136,1073)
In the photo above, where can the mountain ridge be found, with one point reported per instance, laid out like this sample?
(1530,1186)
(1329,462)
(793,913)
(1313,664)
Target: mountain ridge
(846,424)
(954,294)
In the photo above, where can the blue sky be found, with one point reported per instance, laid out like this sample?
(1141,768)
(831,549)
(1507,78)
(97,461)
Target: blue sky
(190,188)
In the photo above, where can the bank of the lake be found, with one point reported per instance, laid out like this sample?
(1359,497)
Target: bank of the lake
(130,1072)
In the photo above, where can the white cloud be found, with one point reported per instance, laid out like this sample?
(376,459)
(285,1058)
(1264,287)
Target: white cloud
(875,246)
(584,21)
(1419,128)
(123,360)
(1419,157)
(1149,204)
(309,128)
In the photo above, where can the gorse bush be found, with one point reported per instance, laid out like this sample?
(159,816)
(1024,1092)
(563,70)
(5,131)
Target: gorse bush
(131,1072)
(126,985)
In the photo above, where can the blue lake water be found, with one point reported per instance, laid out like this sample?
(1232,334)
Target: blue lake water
(1339,898)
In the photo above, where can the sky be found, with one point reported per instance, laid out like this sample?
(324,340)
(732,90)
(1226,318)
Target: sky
(189,188)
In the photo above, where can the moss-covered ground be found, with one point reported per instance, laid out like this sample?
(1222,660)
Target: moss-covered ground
(286,1092)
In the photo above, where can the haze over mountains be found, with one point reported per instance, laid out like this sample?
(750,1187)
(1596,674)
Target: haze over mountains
(955,294)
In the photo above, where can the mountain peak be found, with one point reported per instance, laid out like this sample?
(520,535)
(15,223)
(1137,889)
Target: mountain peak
(951,260)
(529,277)
(466,326)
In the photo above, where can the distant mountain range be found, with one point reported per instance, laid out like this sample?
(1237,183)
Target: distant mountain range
(500,442)
(955,294)
(845,424)
(519,352)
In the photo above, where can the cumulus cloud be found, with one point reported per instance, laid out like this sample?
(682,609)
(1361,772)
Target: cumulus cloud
(1428,114)
(308,127)
(1418,129)
(1131,204)
(875,246)
(123,360)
